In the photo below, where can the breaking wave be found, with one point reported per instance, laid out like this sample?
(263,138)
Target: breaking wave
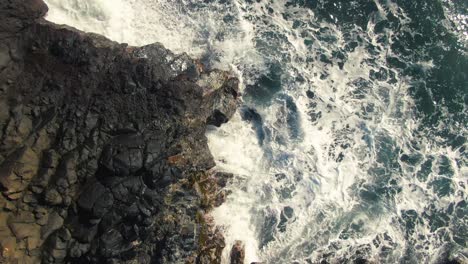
(350,143)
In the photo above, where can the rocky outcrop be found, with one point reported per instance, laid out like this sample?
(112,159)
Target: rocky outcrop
(103,151)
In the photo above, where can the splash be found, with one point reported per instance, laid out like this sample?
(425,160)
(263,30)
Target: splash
(333,156)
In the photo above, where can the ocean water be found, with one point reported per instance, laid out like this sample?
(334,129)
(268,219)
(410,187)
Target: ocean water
(350,143)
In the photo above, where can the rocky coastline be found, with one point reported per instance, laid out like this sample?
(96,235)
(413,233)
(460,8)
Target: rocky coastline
(103,154)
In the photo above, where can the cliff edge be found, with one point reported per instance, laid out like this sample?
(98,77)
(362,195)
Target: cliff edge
(103,154)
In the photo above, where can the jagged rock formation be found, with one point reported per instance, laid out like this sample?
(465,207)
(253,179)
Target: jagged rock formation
(103,151)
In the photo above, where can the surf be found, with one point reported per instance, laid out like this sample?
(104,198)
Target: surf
(335,150)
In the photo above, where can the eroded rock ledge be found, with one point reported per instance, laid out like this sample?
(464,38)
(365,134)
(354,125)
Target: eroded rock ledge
(103,151)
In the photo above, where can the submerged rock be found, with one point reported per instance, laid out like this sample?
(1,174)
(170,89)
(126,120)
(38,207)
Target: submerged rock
(103,154)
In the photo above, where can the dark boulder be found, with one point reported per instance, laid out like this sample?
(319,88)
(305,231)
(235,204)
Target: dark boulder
(112,244)
(91,193)
(237,253)
(124,156)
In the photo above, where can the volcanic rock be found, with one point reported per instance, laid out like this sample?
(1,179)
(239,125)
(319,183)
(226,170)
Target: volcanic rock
(103,154)
(238,253)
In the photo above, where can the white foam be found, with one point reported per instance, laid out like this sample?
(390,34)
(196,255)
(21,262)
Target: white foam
(357,122)
(99,16)
(457,21)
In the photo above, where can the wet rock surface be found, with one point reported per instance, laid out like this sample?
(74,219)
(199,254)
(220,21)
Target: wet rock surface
(103,154)
(238,253)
